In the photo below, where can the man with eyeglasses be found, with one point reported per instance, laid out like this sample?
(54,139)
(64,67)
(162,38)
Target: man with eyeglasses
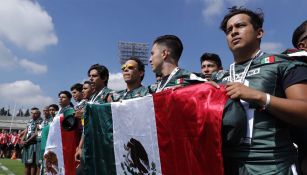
(133,73)
(210,62)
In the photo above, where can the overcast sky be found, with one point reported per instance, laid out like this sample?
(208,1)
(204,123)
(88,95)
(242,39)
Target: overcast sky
(48,45)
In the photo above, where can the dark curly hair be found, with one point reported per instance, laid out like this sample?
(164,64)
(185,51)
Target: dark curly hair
(256,18)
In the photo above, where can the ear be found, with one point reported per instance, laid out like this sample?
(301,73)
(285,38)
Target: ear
(260,33)
(164,54)
(104,80)
(302,46)
(141,73)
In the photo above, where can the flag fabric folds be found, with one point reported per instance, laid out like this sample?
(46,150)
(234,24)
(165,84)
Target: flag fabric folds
(174,132)
(60,148)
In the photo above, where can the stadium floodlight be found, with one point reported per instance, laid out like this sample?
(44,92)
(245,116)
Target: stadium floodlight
(133,49)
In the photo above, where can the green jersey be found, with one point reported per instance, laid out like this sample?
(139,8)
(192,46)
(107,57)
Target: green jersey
(101,96)
(124,94)
(178,78)
(32,126)
(267,147)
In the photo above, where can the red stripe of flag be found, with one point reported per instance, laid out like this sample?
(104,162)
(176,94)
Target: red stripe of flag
(70,141)
(190,141)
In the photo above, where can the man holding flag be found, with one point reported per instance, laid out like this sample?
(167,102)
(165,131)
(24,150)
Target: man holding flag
(63,138)
(273,94)
(133,73)
(174,132)
(165,55)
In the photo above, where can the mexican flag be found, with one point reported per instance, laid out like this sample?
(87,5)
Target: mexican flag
(174,132)
(270,59)
(60,149)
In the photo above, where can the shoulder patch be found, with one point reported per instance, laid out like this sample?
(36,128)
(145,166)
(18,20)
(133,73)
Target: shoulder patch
(269,59)
(179,81)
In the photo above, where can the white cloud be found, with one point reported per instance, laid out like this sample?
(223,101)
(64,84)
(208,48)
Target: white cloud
(7,59)
(211,9)
(237,2)
(214,8)
(272,47)
(116,81)
(26,24)
(33,67)
(24,92)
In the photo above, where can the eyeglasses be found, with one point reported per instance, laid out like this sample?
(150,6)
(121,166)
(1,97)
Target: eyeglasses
(128,66)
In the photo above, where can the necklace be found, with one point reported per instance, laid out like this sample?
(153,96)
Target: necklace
(241,79)
(95,96)
(159,89)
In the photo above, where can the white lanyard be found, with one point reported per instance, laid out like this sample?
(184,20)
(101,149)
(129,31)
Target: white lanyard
(159,89)
(232,70)
(95,97)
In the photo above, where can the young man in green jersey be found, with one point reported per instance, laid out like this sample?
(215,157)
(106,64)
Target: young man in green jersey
(29,141)
(133,73)
(210,63)
(165,54)
(273,94)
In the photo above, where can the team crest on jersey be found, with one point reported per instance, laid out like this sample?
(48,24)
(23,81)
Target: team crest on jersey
(136,159)
(238,76)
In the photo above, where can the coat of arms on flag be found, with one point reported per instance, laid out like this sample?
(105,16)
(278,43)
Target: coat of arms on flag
(172,132)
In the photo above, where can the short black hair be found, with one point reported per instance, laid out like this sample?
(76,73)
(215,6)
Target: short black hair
(87,82)
(103,72)
(55,106)
(256,17)
(77,86)
(298,33)
(173,43)
(141,66)
(68,94)
(34,108)
(211,56)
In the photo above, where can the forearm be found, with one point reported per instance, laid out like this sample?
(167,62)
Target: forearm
(81,142)
(32,137)
(293,111)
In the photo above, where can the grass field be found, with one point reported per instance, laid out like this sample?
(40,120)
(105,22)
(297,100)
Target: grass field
(15,166)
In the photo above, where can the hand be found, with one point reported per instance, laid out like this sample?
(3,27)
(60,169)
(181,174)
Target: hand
(240,91)
(79,113)
(78,154)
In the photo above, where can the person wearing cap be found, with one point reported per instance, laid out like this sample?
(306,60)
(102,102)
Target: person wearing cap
(299,37)
(299,52)
(29,140)
(272,94)
(210,62)
(165,54)
(133,73)
(299,42)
